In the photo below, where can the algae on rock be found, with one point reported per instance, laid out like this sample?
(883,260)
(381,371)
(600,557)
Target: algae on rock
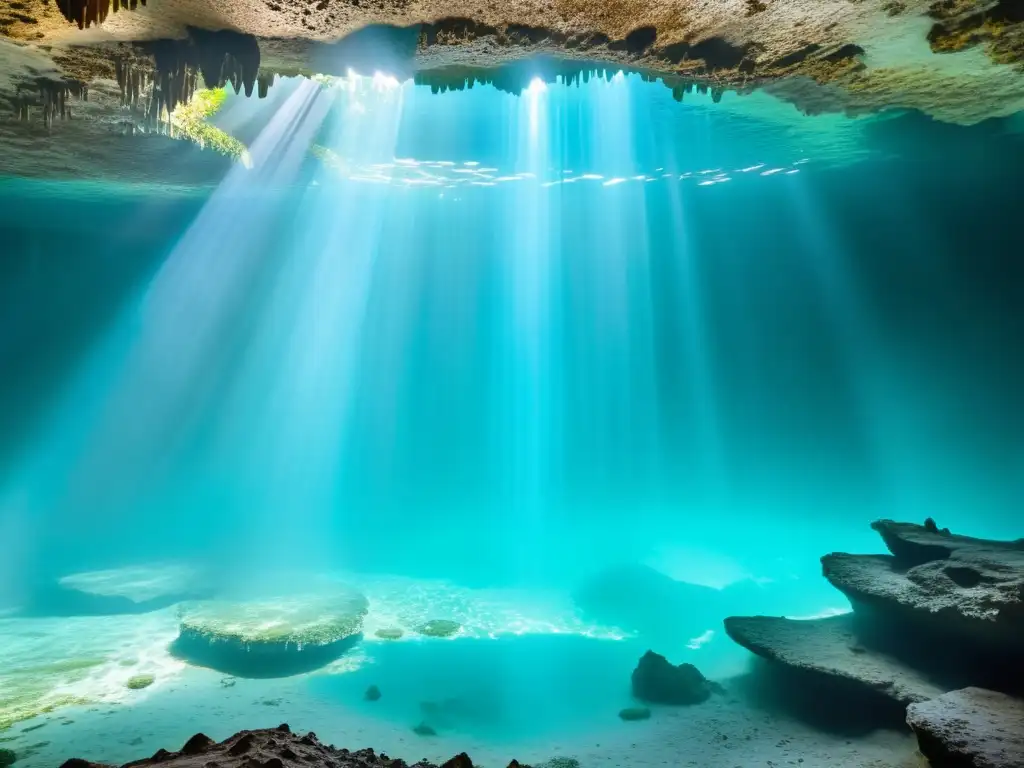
(139,681)
(271,638)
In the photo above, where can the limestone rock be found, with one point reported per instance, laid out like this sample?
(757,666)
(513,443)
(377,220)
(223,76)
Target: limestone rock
(955,585)
(829,648)
(970,728)
(271,638)
(656,680)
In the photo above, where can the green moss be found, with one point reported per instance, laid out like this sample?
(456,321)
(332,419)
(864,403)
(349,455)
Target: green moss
(191,121)
(299,621)
(17,709)
(7,757)
(440,628)
(140,681)
(635,713)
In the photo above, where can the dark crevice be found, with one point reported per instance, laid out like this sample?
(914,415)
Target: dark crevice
(637,41)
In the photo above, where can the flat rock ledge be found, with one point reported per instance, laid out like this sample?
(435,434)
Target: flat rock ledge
(957,585)
(271,638)
(970,728)
(272,748)
(829,649)
(935,623)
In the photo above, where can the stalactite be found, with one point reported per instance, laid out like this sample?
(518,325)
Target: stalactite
(85,13)
(264,82)
(51,96)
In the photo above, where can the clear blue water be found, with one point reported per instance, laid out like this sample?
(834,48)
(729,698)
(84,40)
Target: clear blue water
(500,343)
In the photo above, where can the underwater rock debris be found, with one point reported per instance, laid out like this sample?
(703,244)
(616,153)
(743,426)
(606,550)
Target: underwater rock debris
(273,748)
(972,728)
(656,680)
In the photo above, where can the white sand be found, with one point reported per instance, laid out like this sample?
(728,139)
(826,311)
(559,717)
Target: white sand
(530,681)
(722,733)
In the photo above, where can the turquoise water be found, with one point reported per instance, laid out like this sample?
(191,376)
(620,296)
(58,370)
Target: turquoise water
(475,350)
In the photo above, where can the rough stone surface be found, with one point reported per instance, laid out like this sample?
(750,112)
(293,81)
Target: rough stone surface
(970,728)
(953,584)
(958,60)
(271,638)
(830,648)
(270,748)
(657,681)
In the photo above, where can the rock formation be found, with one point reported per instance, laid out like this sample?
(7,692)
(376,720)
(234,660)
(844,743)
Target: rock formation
(972,727)
(953,585)
(271,638)
(939,613)
(830,649)
(852,57)
(657,681)
(272,748)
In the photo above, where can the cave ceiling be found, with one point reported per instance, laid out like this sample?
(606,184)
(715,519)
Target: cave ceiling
(959,61)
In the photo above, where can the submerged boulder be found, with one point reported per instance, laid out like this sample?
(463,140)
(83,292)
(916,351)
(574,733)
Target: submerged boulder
(657,681)
(830,650)
(970,728)
(271,638)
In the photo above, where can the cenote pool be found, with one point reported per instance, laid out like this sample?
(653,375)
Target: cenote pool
(415,416)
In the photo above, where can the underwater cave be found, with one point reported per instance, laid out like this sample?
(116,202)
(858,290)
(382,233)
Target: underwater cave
(563,385)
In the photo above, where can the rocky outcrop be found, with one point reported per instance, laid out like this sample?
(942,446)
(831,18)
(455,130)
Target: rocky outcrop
(657,681)
(940,612)
(970,728)
(271,638)
(958,586)
(271,748)
(830,649)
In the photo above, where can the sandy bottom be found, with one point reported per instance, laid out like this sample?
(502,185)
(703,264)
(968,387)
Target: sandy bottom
(724,732)
(524,679)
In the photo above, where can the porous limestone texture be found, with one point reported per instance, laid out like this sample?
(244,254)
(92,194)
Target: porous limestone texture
(957,60)
(271,638)
(970,728)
